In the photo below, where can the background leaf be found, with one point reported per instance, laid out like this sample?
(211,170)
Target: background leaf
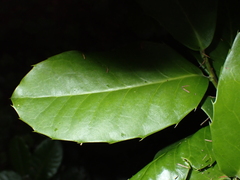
(226,121)
(192,23)
(20,156)
(46,160)
(218,56)
(191,157)
(9,175)
(109,97)
(228,20)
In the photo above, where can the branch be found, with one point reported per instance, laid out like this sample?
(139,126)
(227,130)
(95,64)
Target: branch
(212,76)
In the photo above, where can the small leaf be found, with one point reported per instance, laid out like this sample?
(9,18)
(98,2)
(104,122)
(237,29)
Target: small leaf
(178,161)
(207,106)
(218,56)
(226,119)
(46,159)
(20,156)
(9,175)
(109,97)
(192,23)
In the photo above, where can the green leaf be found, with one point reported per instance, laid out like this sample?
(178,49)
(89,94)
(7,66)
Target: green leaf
(9,175)
(212,173)
(218,56)
(109,97)
(184,159)
(46,159)
(192,23)
(20,156)
(229,20)
(226,120)
(207,107)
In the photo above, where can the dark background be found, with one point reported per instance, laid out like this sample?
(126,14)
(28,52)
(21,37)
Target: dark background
(33,30)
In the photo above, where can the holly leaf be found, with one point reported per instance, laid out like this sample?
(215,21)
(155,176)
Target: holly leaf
(190,158)
(226,117)
(109,97)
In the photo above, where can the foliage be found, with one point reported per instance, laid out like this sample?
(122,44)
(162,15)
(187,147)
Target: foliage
(43,163)
(105,106)
(145,87)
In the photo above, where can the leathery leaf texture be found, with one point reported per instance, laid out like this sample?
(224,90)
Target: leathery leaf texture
(190,158)
(226,120)
(109,97)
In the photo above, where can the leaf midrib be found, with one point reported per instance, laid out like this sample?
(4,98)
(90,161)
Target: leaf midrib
(114,89)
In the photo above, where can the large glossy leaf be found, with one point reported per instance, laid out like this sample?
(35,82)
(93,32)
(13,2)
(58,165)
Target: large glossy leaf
(192,23)
(190,158)
(109,97)
(226,120)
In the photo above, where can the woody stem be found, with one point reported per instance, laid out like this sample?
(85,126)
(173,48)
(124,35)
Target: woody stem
(212,76)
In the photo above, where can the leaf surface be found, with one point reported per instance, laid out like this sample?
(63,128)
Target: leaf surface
(207,106)
(109,97)
(190,158)
(192,23)
(212,173)
(226,120)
